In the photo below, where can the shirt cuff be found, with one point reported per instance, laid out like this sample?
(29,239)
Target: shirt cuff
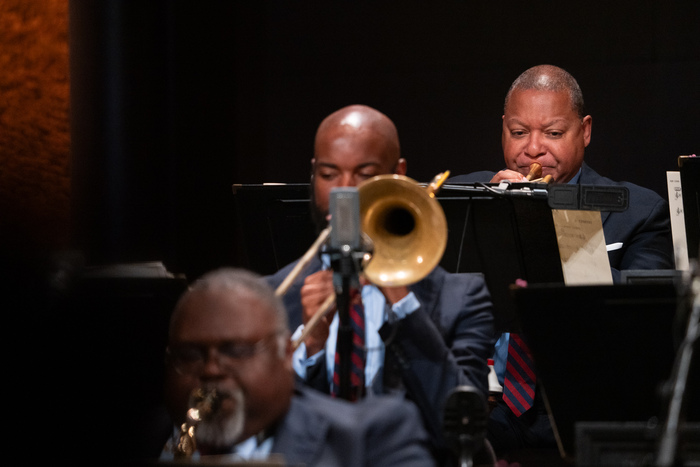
(405,306)
(300,361)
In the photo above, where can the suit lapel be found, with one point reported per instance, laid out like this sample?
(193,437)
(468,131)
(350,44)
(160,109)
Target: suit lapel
(427,291)
(591,177)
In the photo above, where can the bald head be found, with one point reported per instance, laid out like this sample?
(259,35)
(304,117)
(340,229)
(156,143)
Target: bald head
(352,144)
(360,122)
(549,78)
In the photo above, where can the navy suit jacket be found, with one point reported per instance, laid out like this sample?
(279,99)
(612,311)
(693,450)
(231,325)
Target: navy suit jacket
(445,343)
(381,431)
(644,229)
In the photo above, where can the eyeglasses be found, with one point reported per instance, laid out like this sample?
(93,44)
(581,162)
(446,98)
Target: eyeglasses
(189,359)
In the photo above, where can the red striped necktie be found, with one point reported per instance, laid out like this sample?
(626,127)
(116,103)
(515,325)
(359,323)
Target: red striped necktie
(519,379)
(356,314)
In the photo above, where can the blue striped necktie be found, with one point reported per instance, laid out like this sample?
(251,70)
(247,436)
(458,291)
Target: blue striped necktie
(356,313)
(519,379)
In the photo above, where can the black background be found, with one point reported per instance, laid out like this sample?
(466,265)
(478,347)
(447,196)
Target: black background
(173,102)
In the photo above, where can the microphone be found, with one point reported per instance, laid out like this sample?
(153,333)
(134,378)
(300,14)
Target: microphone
(345,219)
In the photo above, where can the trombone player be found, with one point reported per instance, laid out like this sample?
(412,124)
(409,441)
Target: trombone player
(420,340)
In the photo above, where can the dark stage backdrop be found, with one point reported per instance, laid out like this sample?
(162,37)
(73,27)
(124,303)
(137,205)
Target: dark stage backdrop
(205,94)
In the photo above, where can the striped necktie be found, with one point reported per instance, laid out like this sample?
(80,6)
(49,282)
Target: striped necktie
(519,380)
(356,313)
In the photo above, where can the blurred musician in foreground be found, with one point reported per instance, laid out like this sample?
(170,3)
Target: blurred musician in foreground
(544,121)
(422,340)
(229,334)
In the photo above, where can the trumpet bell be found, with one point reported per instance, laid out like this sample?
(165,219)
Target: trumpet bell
(407,226)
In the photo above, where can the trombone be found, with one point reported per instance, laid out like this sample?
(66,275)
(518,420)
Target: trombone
(407,227)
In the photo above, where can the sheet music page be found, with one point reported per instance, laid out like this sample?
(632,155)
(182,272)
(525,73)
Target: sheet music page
(584,257)
(675,206)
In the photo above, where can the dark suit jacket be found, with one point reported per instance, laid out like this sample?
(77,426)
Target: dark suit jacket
(378,431)
(644,229)
(320,431)
(443,344)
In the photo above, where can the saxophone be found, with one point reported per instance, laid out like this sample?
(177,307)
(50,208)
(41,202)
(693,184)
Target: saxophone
(202,404)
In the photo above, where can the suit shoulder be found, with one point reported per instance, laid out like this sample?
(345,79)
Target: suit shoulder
(319,406)
(638,192)
(441,281)
(276,278)
(469,279)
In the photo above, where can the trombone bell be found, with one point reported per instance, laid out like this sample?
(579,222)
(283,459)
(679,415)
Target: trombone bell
(407,227)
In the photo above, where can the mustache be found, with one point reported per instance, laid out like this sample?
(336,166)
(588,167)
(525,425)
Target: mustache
(221,426)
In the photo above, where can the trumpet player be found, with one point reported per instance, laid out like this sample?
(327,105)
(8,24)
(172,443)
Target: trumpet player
(544,122)
(420,340)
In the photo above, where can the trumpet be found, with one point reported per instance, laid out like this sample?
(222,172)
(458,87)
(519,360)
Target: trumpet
(535,174)
(407,228)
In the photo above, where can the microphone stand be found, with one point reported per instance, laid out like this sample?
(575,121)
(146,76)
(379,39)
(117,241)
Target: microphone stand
(345,265)
(669,438)
(464,424)
(346,252)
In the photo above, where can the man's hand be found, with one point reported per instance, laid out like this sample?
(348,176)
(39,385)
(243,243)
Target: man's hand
(507,174)
(392,294)
(316,289)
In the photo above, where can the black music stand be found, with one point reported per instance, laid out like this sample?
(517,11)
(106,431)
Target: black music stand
(273,225)
(601,352)
(506,237)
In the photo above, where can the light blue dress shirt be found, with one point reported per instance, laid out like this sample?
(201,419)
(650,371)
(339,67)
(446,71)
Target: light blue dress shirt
(376,314)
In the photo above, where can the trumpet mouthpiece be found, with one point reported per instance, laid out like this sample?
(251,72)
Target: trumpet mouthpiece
(535,171)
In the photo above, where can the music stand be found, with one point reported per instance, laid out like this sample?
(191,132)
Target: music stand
(601,352)
(273,225)
(505,237)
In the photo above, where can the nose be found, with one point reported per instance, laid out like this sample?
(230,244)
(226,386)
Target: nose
(213,367)
(347,180)
(535,145)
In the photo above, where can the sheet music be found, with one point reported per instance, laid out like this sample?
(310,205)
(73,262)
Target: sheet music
(675,205)
(584,257)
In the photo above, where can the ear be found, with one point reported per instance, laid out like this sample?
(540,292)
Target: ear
(587,129)
(400,167)
(288,352)
(503,132)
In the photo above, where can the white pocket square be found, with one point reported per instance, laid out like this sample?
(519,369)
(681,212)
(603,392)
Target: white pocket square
(613,246)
